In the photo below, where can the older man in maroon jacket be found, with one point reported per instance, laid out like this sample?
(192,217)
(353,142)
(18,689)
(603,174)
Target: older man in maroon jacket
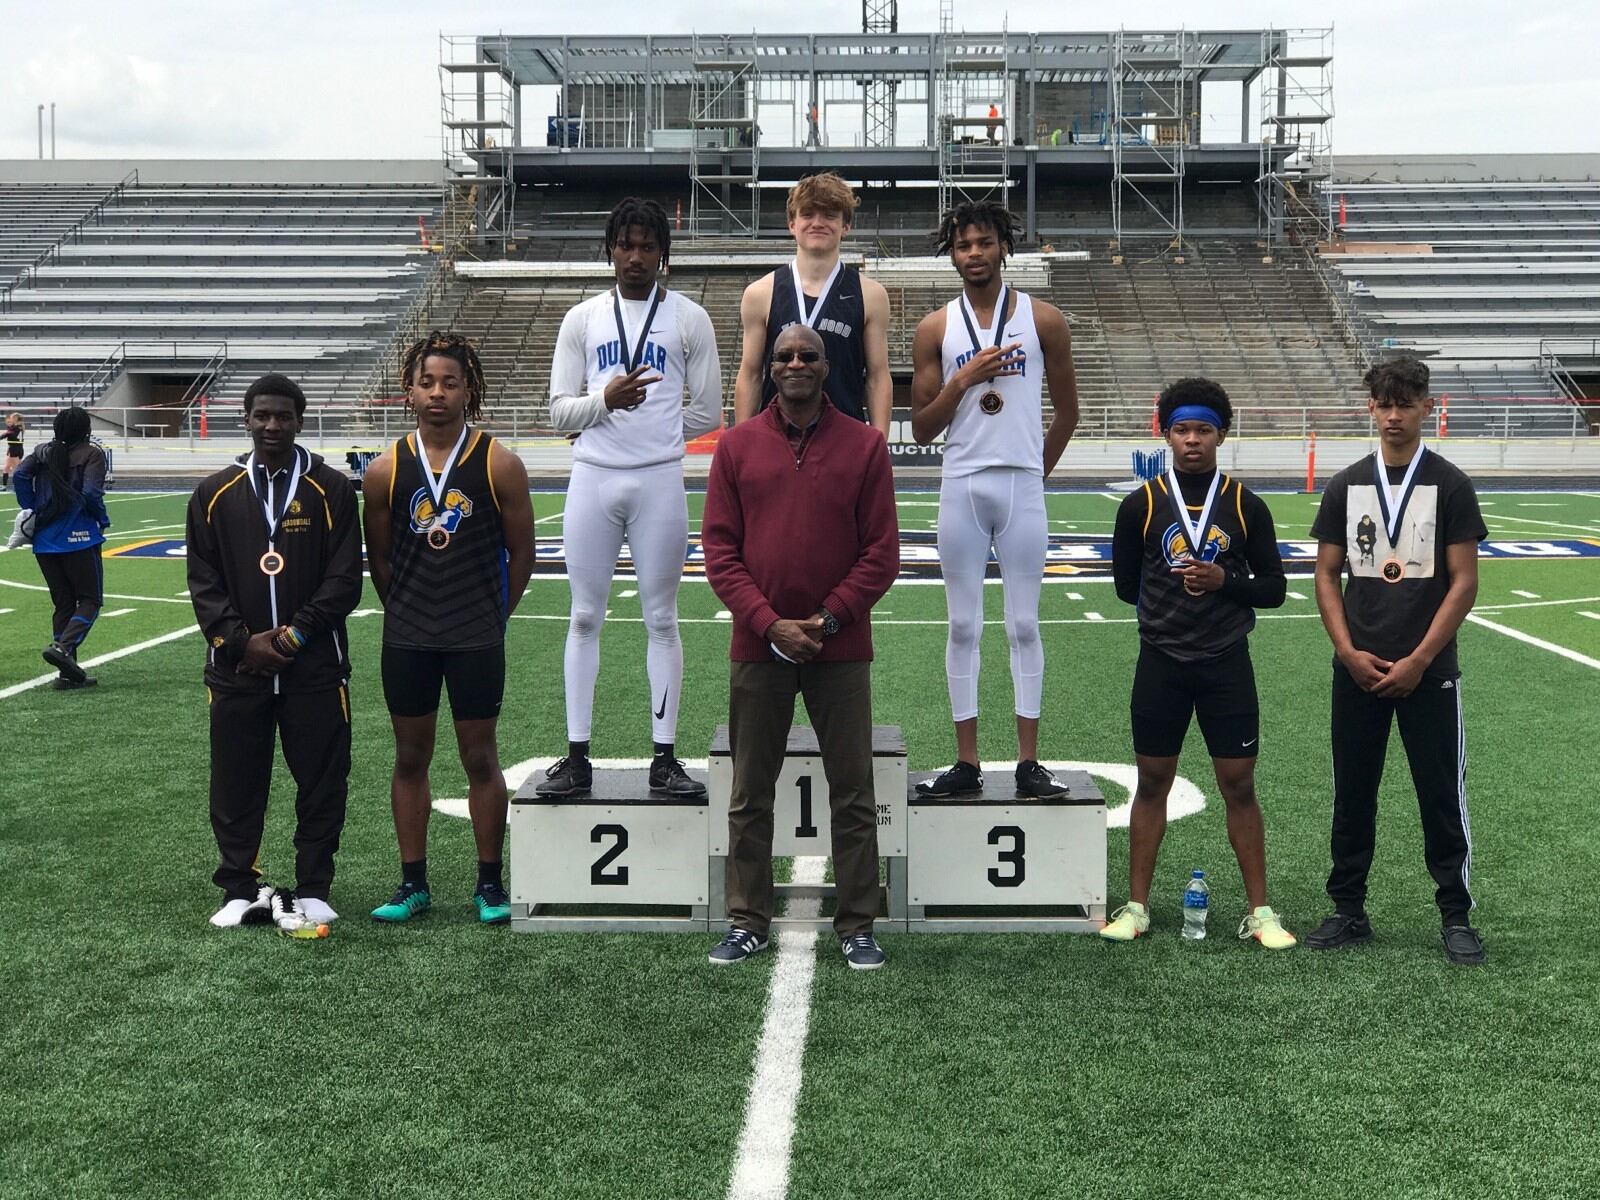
(801,541)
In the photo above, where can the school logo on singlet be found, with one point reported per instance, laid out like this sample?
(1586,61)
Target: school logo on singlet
(1175,545)
(826,325)
(425,516)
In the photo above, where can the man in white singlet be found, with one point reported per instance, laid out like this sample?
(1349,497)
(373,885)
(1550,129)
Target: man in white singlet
(623,361)
(979,366)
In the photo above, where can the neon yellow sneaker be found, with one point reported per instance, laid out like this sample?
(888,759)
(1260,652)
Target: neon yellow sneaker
(1264,926)
(1127,923)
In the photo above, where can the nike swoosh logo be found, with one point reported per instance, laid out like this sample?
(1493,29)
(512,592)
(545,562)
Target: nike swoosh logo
(845,296)
(1251,742)
(661,712)
(1012,333)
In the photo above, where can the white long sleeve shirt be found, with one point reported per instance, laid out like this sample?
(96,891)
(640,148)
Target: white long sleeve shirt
(681,347)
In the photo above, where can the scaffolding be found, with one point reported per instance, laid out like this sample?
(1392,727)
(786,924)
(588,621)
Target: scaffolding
(1154,118)
(481,118)
(724,144)
(1296,137)
(877,91)
(976,104)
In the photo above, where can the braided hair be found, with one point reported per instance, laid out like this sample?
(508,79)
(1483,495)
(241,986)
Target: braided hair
(646,214)
(985,215)
(456,348)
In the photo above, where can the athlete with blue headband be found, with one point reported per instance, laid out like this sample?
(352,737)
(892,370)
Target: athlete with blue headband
(1197,554)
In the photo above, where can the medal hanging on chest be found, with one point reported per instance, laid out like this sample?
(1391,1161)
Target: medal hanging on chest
(272,562)
(633,345)
(438,533)
(808,317)
(1392,508)
(1197,532)
(991,402)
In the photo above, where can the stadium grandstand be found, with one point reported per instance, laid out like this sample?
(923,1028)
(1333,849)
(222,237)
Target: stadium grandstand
(154,291)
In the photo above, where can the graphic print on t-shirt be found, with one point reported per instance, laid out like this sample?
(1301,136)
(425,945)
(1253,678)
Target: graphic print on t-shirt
(1418,532)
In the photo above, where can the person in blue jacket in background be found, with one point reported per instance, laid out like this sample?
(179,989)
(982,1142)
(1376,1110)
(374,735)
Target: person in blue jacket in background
(64,481)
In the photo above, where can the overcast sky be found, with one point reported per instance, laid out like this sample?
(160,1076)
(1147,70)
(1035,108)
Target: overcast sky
(294,79)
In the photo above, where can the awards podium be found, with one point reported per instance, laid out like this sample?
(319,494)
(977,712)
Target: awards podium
(623,860)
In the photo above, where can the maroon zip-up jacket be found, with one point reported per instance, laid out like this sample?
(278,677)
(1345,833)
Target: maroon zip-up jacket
(787,532)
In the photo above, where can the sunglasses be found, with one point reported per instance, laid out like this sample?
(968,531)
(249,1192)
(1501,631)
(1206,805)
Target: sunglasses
(809,357)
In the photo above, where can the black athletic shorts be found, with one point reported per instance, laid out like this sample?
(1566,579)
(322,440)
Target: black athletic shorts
(476,679)
(1220,691)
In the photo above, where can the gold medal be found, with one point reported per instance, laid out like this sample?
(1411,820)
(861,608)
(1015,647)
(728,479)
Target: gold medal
(991,402)
(438,538)
(271,563)
(1393,570)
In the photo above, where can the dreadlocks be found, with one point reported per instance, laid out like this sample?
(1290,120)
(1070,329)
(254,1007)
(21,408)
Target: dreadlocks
(647,215)
(985,216)
(452,346)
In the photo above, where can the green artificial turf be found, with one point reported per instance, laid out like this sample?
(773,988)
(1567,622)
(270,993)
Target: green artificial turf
(149,1055)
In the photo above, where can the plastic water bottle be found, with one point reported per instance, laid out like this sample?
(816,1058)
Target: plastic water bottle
(1196,904)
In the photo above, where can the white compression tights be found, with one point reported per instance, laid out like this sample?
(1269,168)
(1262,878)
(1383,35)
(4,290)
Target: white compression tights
(644,506)
(1003,508)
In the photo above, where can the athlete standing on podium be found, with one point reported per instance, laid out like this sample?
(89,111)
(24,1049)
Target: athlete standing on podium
(449,528)
(979,367)
(623,361)
(848,311)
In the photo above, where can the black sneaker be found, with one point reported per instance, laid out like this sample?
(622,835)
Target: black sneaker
(1462,945)
(1033,780)
(736,946)
(567,777)
(1340,929)
(59,657)
(62,684)
(963,779)
(286,912)
(862,952)
(668,777)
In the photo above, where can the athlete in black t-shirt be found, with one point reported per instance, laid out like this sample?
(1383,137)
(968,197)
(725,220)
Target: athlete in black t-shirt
(14,428)
(1197,555)
(450,546)
(1406,524)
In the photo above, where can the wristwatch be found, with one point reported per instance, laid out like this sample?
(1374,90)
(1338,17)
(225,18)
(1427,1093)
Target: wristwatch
(830,623)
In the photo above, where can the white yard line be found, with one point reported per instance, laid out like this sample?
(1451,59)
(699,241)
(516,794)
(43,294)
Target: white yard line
(1581,612)
(1524,595)
(119,612)
(761,1167)
(1571,655)
(17,689)
(1539,604)
(39,587)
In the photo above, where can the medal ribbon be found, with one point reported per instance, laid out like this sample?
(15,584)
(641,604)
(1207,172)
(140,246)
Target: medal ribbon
(1391,504)
(267,501)
(809,319)
(1196,533)
(436,482)
(634,354)
(971,318)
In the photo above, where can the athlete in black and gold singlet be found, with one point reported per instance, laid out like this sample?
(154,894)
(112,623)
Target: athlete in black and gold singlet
(450,545)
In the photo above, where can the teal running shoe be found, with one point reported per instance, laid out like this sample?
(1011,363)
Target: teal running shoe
(407,902)
(494,906)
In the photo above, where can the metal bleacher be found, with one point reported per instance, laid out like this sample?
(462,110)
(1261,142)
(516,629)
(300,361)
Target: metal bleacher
(309,280)
(1267,331)
(1476,276)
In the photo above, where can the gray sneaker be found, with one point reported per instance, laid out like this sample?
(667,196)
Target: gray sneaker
(736,946)
(862,952)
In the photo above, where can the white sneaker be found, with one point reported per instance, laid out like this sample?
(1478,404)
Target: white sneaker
(317,911)
(245,912)
(286,912)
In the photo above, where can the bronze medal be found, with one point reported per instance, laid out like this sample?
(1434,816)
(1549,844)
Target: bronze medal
(1393,570)
(438,538)
(271,563)
(991,402)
